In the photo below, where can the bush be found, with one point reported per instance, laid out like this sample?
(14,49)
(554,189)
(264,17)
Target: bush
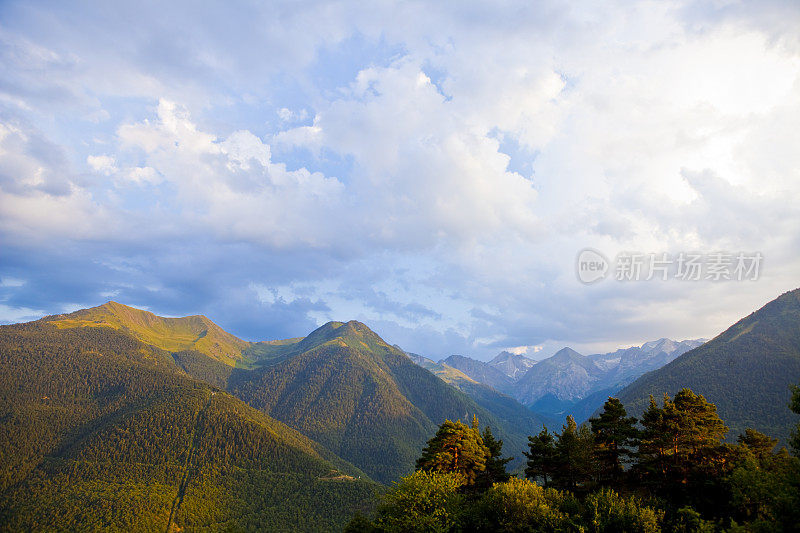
(423,501)
(521,505)
(608,511)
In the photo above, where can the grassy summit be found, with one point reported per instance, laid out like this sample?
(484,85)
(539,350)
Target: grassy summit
(195,332)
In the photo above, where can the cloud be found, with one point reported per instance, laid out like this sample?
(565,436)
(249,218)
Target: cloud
(353,169)
(102,163)
(429,177)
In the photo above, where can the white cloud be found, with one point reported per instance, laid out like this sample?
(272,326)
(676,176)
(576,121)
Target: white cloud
(12,315)
(287,115)
(425,174)
(142,175)
(231,187)
(102,163)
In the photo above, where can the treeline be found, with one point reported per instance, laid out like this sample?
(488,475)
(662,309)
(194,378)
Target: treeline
(669,471)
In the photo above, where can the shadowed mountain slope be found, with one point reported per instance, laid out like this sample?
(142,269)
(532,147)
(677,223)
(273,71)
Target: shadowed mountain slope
(746,371)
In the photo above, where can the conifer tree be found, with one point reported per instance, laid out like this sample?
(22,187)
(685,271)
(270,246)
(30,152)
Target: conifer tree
(758,444)
(456,448)
(615,436)
(541,456)
(495,471)
(680,441)
(574,456)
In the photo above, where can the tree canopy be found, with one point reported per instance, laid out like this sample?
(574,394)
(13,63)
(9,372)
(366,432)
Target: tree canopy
(456,448)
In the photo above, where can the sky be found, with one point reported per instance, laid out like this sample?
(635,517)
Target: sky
(432,169)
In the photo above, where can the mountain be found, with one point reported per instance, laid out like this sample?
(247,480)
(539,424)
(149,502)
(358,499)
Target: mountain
(448,374)
(625,365)
(506,408)
(365,400)
(567,375)
(341,386)
(171,334)
(481,372)
(568,382)
(746,371)
(102,431)
(511,364)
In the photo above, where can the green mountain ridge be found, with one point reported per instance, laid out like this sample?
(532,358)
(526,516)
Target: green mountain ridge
(99,430)
(746,371)
(195,332)
(348,389)
(342,385)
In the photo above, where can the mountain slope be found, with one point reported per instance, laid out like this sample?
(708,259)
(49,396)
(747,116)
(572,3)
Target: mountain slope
(101,431)
(567,375)
(171,334)
(365,400)
(746,371)
(481,372)
(504,407)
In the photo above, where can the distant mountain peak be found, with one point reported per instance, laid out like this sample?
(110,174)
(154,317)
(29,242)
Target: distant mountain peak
(504,356)
(565,353)
(511,364)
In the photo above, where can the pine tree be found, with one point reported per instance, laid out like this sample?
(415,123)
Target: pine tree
(681,443)
(615,436)
(495,471)
(656,442)
(541,456)
(574,457)
(455,448)
(758,444)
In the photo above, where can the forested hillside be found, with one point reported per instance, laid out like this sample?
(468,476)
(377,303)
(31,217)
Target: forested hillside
(746,371)
(342,385)
(365,400)
(100,431)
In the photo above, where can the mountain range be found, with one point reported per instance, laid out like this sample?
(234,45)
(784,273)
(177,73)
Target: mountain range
(568,382)
(360,407)
(115,417)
